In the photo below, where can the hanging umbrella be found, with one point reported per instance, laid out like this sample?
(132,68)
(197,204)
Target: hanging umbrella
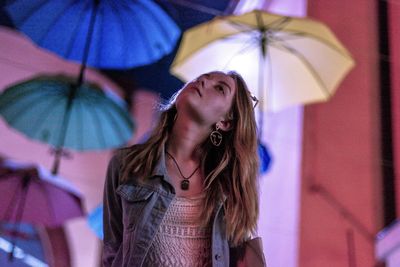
(31,194)
(21,59)
(265,158)
(55,111)
(186,14)
(284,60)
(127,33)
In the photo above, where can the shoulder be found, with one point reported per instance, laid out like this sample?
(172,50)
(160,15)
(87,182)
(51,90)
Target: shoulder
(116,162)
(121,155)
(119,162)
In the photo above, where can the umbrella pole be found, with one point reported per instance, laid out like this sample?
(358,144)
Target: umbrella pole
(260,89)
(57,160)
(74,89)
(88,43)
(263,52)
(20,211)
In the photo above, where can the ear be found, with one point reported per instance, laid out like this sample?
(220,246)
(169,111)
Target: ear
(225,125)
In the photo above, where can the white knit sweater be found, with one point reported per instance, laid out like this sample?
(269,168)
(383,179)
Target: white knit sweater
(180,240)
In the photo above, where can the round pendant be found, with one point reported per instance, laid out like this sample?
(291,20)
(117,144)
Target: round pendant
(185,184)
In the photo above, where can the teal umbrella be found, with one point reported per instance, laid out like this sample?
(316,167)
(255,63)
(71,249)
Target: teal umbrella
(61,112)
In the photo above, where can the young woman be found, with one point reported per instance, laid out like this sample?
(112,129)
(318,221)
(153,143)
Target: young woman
(188,195)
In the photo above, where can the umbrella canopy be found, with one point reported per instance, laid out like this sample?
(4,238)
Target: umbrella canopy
(55,111)
(186,14)
(284,60)
(125,33)
(21,59)
(31,194)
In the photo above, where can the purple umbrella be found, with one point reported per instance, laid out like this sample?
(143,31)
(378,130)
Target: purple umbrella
(31,194)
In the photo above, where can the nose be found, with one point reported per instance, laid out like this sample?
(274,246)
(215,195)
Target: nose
(202,81)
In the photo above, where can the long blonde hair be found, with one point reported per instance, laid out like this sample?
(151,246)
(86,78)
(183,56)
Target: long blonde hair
(230,169)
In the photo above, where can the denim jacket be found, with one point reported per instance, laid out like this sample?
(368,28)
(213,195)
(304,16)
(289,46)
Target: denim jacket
(133,212)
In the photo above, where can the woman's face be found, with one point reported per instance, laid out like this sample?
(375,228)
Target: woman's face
(208,98)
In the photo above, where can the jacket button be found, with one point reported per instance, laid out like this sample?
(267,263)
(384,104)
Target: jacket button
(218,257)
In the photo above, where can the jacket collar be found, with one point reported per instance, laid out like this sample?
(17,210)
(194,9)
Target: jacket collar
(161,168)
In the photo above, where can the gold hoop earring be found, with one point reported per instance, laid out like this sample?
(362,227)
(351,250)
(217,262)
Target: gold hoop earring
(216,137)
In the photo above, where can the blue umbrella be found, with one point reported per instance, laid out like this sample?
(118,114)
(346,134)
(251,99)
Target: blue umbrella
(265,158)
(57,111)
(126,33)
(186,14)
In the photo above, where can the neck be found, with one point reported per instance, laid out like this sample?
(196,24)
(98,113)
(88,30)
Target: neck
(185,138)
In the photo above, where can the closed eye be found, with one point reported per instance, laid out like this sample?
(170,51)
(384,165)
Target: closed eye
(220,89)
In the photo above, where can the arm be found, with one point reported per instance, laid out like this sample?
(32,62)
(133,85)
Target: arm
(112,214)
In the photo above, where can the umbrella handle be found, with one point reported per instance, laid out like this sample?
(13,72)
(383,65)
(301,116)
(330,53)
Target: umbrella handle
(57,160)
(59,153)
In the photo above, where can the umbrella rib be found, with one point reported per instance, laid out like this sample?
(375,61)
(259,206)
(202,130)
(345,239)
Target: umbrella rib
(50,203)
(286,48)
(115,124)
(270,81)
(125,50)
(100,28)
(239,26)
(119,131)
(302,34)
(144,36)
(156,20)
(40,40)
(91,112)
(234,37)
(29,14)
(145,9)
(100,134)
(278,24)
(78,108)
(8,214)
(46,113)
(71,43)
(250,44)
(22,109)
(177,62)
(195,7)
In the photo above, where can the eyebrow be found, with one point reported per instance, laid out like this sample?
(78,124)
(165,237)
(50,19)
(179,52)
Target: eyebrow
(222,82)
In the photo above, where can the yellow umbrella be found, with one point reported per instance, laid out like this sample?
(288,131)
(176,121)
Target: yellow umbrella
(284,60)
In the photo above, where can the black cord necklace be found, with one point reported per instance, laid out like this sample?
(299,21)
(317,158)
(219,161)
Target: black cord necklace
(185,181)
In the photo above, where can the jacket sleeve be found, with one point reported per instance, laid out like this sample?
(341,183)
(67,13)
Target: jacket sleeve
(112,213)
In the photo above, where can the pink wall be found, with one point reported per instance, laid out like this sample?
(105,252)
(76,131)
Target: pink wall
(341,149)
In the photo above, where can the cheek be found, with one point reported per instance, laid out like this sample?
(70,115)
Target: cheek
(221,109)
